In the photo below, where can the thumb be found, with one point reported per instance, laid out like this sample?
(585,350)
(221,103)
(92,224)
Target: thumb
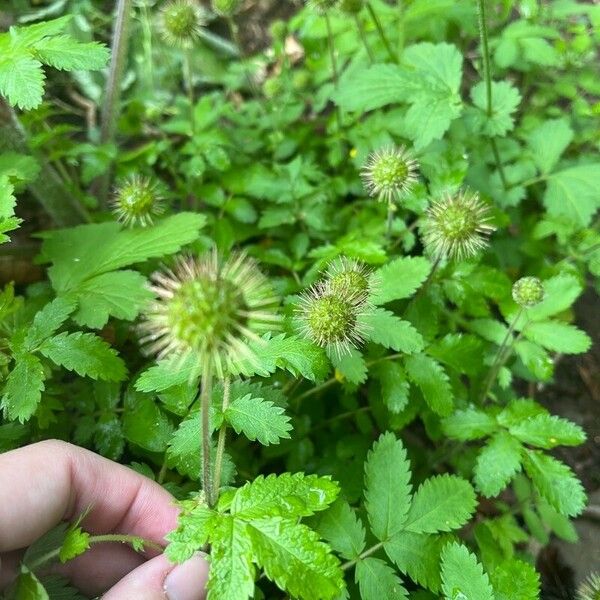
(158,579)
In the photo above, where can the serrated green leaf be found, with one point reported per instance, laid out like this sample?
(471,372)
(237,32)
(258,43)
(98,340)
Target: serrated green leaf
(548,431)
(497,463)
(518,410)
(385,328)
(460,351)
(377,580)
(418,556)
(47,321)
(232,573)
(86,354)
(433,382)
(548,141)
(258,419)
(343,530)
(561,292)
(144,424)
(76,542)
(394,386)
(515,580)
(555,482)
(572,193)
(400,279)
(289,495)
(505,100)
(469,424)
(168,373)
(23,389)
(387,486)
(558,337)
(294,558)
(441,503)
(463,576)
(28,587)
(350,365)
(21,80)
(65,53)
(195,524)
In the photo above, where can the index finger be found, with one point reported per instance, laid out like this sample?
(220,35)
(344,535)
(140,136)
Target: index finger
(52,481)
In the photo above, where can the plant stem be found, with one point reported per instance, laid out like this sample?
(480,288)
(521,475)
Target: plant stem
(111,107)
(363,37)
(334,72)
(390,220)
(147,28)
(222,439)
(205,398)
(380,30)
(487,76)
(368,552)
(188,79)
(501,357)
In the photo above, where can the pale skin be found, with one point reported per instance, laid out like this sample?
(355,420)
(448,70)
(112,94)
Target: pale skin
(52,481)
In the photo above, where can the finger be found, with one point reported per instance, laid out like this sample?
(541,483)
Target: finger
(158,578)
(51,481)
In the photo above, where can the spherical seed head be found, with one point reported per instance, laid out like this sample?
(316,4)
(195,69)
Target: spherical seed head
(352,6)
(389,174)
(210,308)
(321,6)
(457,226)
(590,588)
(226,8)
(182,21)
(331,320)
(528,291)
(137,201)
(349,278)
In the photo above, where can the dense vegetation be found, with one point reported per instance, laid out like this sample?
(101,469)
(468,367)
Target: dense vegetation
(318,276)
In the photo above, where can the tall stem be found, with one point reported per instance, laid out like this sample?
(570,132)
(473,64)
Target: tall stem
(390,219)
(500,358)
(222,439)
(111,107)
(381,31)
(334,71)
(188,78)
(205,398)
(487,76)
(363,37)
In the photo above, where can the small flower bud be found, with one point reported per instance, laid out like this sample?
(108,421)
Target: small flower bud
(457,226)
(137,201)
(389,173)
(349,278)
(590,588)
(226,8)
(352,7)
(181,22)
(528,291)
(210,309)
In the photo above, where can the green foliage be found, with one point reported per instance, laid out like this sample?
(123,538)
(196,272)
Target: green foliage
(463,576)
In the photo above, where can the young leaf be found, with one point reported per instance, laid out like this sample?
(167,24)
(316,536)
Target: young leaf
(387,486)
(442,503)
(258,419)
(433,382)
(343,530)
(555,482)
(195,525)
(515,580)
(548,431)
(394,386)
(76,542)
(293,557)
(505,100)
(400,278)
(21,80)
(498,462)
(289,495)
(469,424)
(418,556)
(65,53)
(351,366)
(28,587)
(377,580)
(24,387)
(231,576)
(385,328)
(86,354)
(47,321)
(558,337)
(463,576)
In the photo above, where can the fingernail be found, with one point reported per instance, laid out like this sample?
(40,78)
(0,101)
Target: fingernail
(188,580)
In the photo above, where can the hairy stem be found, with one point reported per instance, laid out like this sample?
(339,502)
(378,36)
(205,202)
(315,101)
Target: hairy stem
(111,107)
(381,31)
(48,188)
(222,439)
(205,398)
(501,357)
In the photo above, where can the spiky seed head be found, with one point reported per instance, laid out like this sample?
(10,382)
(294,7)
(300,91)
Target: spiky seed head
(528,291)
(352,7)
(181,22)
(457,226)
(137,201)
(389,173)
(590,588)
(321,6)
(209,308)
(226,8)
(331,320)
(350,278)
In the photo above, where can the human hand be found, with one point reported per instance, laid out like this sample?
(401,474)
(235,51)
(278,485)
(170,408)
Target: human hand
(49,482)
